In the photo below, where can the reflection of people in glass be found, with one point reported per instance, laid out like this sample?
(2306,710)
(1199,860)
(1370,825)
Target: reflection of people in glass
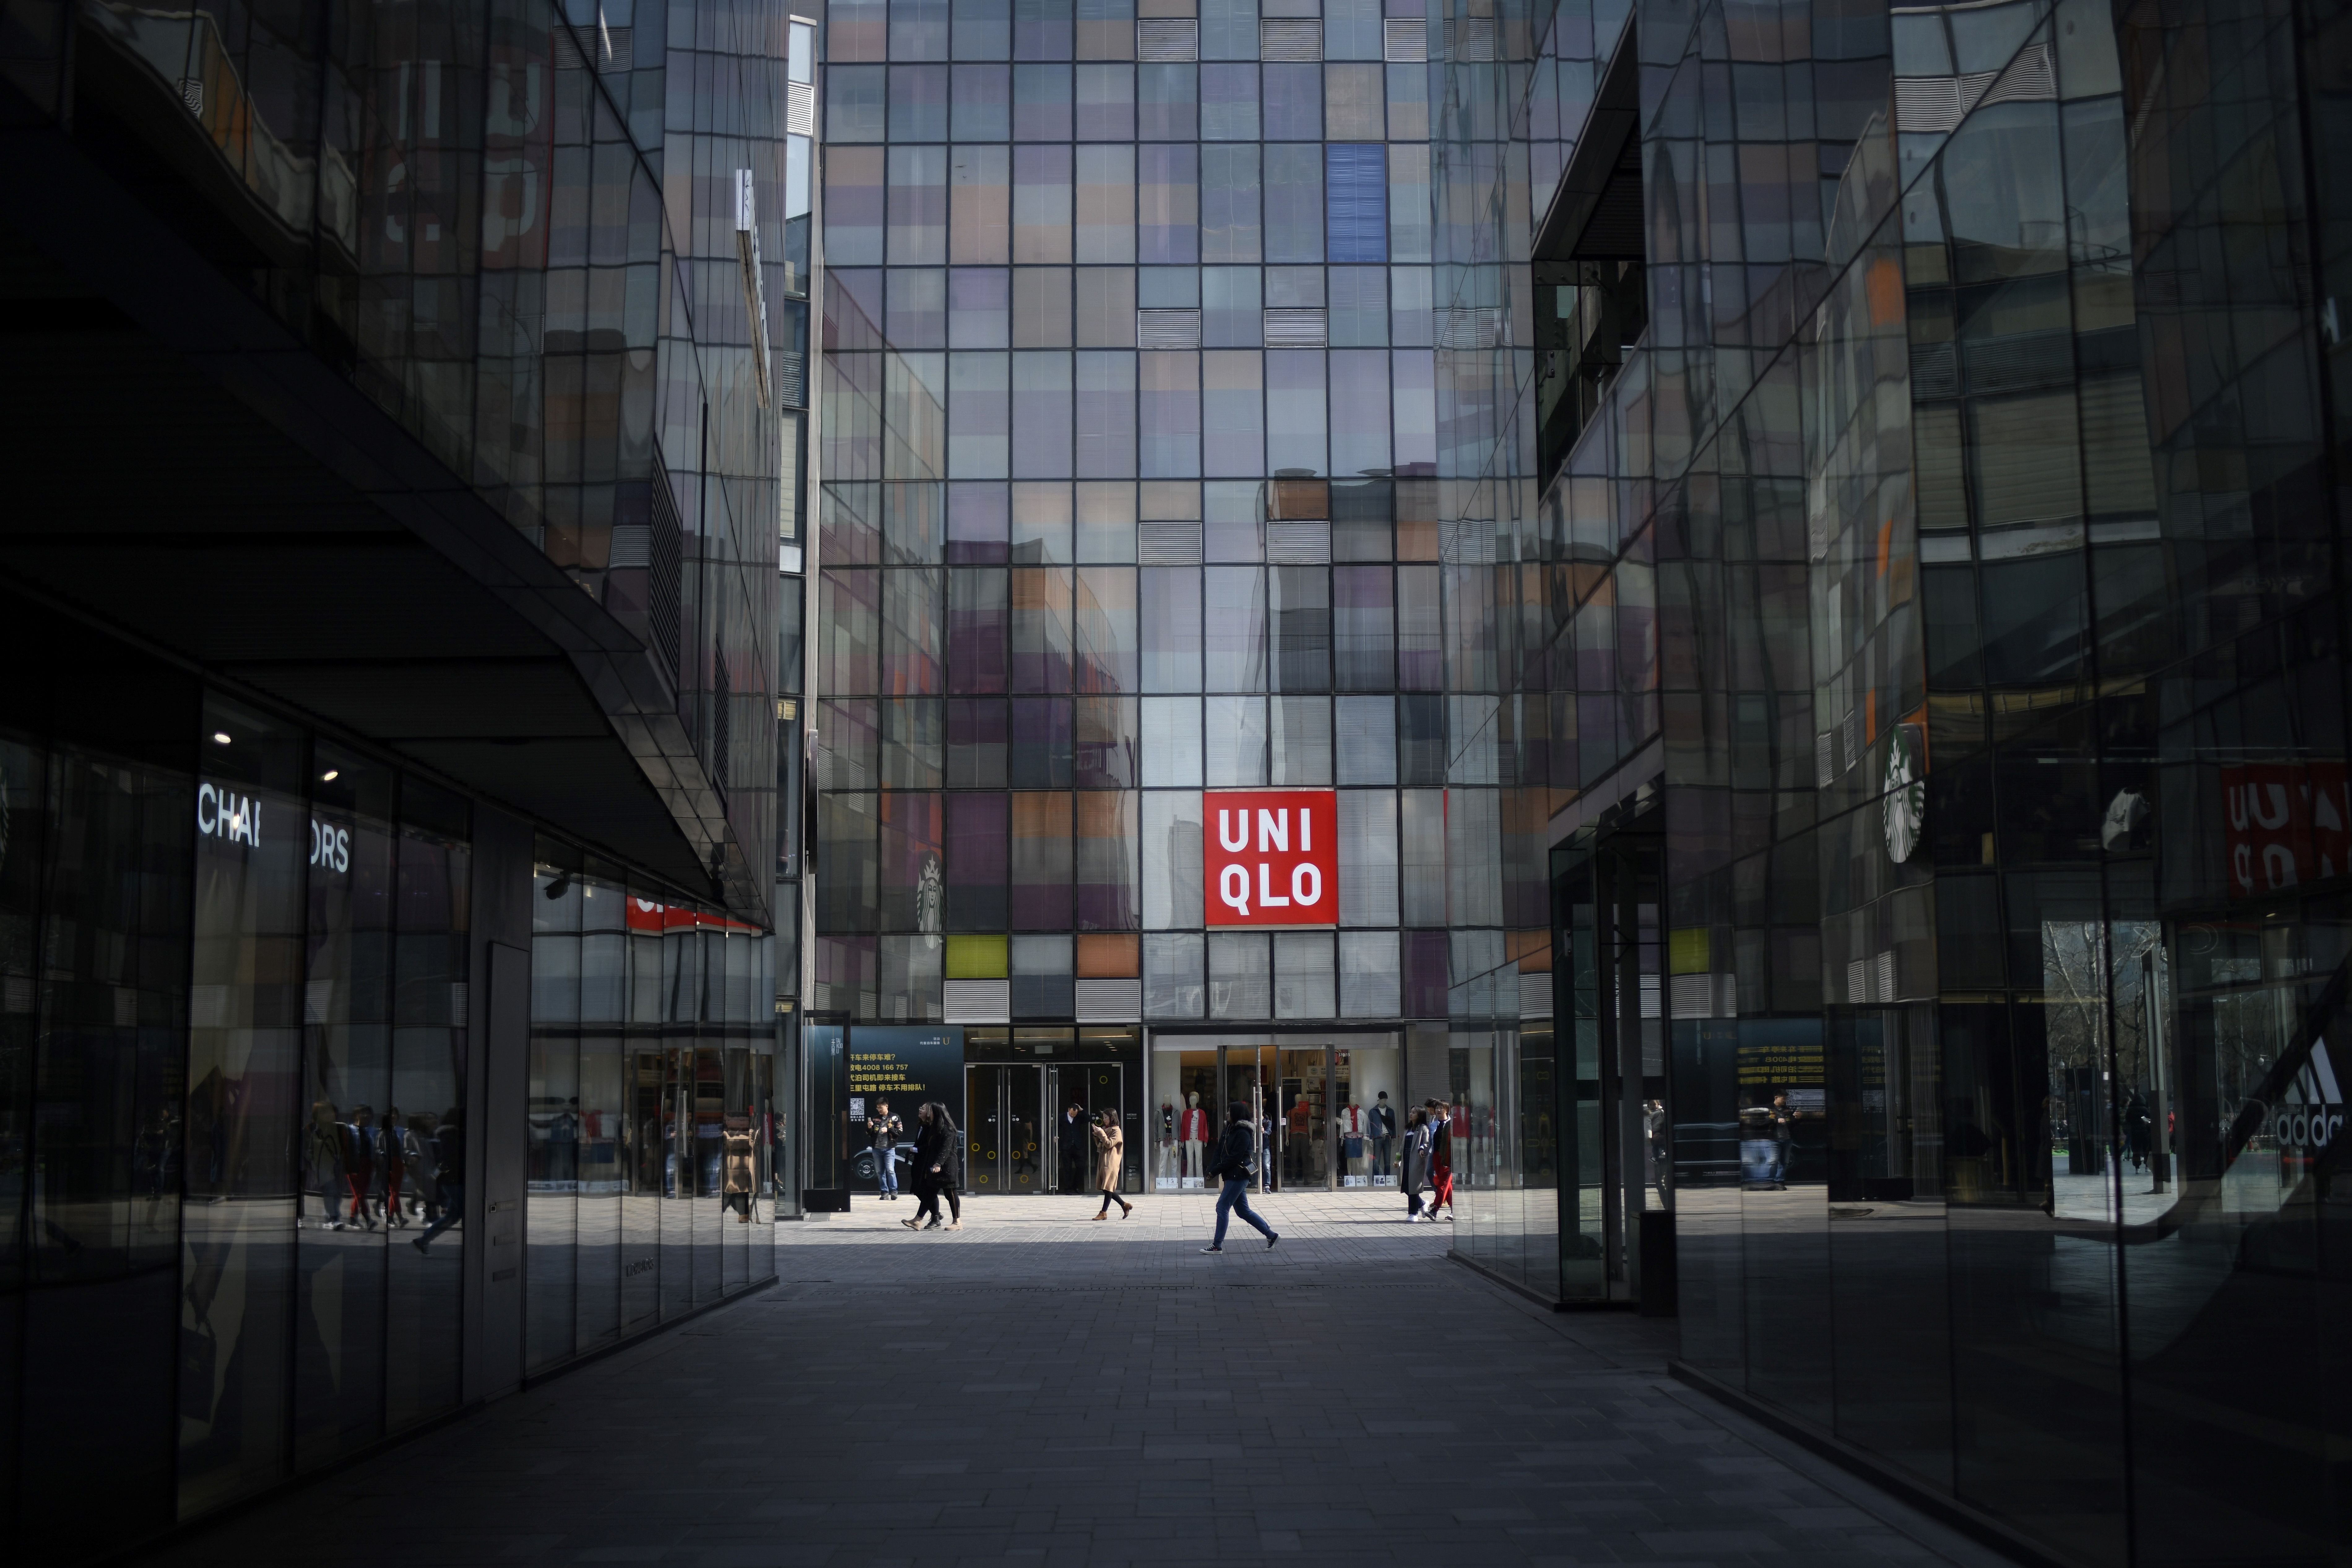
(736,1135)
(392,1147)
(1072,1135)
(156,1154)
(2139,1130)
(563,1146)
(359,1162)
(449,1152)
(322,1152)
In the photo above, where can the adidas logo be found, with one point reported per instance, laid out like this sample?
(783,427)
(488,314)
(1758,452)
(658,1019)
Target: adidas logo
(2311,1112)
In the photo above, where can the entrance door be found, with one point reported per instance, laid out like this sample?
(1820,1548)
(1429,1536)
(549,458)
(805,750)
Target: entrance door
(1005,1106)
(1100,1087)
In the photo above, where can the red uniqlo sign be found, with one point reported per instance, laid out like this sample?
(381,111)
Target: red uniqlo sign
(1272,856)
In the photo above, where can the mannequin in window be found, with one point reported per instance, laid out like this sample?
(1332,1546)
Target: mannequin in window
(1191,1132)
(1351,1140)
(1167,1141)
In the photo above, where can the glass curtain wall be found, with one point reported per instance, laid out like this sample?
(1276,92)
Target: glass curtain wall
(1959,620)
(235,1003)
(651,1168)
(1128,450)
(463,208)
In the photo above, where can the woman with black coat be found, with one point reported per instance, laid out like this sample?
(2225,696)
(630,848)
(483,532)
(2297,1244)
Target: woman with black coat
(934,1174)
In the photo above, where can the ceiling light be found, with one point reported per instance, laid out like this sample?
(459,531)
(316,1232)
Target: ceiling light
(330,775)
(220,737)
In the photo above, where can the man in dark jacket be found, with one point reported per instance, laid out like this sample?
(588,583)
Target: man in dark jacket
(1075,1142)
(1236,1153)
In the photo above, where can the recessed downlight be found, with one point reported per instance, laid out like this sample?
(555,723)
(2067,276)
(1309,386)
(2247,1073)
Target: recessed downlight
(220,737)
(330,775)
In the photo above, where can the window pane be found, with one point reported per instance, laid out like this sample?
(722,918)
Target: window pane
(1235,650)
(1298,742)
(1172,964)
(1105,653)
(1041,861)
(1240,974)
(1167,204)
(1234,754)
(1368,857)
(1234,413)
(1041,629)
(1171,629)
(1106,740)
(1105,204)
(1229,103)
(1369,981)
(1229,191)
(1172,741)
(983,180)
(1107,872)
(1040,203)
(1172,858)
(1304,984)
(1367,733)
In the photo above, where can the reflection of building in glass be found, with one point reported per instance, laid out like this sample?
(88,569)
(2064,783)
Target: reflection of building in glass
(1890,559)
(389,845)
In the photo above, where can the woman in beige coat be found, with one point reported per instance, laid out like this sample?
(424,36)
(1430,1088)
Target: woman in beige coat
(1109,1150)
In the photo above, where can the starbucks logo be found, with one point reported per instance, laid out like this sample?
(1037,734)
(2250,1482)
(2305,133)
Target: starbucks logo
(928,897)
(1906,793)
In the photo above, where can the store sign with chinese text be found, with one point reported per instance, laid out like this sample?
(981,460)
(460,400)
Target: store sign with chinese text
(1271,857)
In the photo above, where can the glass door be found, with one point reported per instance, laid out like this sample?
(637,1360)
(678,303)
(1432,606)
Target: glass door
(1003,1149)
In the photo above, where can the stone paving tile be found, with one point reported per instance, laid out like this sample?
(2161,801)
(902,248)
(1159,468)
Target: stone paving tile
(1038,1388)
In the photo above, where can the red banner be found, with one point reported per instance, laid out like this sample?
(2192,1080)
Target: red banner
(2286,824)
(1271,857)
(643,914)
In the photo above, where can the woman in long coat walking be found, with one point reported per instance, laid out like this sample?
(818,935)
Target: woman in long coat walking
(934,1174)
(1109,1151)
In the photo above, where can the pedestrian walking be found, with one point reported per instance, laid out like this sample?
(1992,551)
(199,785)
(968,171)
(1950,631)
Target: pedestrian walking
(1441,1158)
(935,1168)
(886,1130)
(1412,1161)
(1110,1145)
(1234,1163)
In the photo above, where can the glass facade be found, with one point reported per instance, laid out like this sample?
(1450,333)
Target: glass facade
(1128,496)
(310,1092)
(513,227)
(1896,575)
(652,1150)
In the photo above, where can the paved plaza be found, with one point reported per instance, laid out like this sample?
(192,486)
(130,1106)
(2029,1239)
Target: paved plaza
(1041,1388)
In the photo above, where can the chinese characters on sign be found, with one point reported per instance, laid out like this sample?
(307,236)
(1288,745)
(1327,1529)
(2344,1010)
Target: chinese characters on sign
(1271,858)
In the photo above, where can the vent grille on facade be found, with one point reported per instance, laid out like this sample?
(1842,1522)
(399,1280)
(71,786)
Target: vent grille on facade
(617,49)
(1111,1001)
(977,1002)
(2016,360)
(1404,40)
(665,545)
(628,546)
(800,110)
(1290,38)
(792,380)
(2029,78)
(1297,329)
(566,49)
(1871,979)
(1824,759)
(1169,543)
(1935,370)
(1702,995)
(1298,544)
(1535,996)
(1167,329)
(1167,38)
(191,93)
(1470,38)
(1470,327)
